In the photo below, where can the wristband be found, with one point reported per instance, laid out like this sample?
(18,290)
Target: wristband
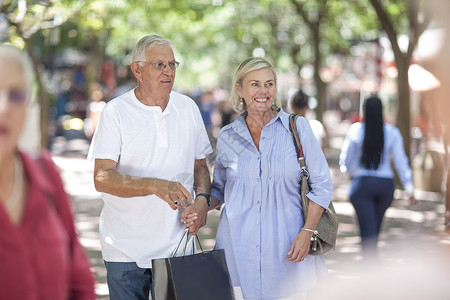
(207,196)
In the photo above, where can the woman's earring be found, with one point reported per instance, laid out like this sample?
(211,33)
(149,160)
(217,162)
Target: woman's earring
(241,104)
(274,106)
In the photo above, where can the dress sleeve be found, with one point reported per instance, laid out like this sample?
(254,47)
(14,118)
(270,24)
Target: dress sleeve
(316,163)
(82,283)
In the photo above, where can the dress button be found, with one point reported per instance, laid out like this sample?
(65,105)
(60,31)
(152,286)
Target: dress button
(258,179)
(257,202)
(257,246)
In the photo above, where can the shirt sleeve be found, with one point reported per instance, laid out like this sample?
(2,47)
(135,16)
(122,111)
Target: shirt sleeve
(401,162)
(349,156)
(203,146)
(316,163)
(106,143)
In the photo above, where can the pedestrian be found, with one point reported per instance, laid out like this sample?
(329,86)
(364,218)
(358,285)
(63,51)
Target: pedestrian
(40,254)
(149,149)
(447,204)
(300,106)
(366,155)
(261,228)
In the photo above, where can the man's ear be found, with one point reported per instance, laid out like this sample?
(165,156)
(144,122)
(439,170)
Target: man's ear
(136,69)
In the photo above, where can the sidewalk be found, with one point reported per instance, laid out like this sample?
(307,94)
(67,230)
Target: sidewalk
(407,232)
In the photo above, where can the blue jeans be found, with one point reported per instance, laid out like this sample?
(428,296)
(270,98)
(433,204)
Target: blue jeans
(127,281)
(371,197)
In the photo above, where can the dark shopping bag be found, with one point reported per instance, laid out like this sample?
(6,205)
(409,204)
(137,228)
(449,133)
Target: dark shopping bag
(201,276)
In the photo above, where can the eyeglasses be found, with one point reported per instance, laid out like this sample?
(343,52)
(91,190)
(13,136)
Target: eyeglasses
(161,66)
(15,96)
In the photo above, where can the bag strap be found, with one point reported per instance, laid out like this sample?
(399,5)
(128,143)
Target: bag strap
(298,146)
(188,239)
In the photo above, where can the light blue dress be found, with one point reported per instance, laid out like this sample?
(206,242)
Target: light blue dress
(262,213)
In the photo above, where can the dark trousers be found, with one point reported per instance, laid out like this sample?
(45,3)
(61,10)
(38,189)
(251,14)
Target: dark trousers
(371,197)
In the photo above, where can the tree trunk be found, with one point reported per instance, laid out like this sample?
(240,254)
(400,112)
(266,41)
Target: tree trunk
(404,109)
(319,83)
(42,96)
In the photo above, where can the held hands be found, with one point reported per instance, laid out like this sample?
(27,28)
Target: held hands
(300,247)
(174,194)
(194,216)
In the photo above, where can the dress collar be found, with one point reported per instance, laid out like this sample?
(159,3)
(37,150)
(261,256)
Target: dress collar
(239,124)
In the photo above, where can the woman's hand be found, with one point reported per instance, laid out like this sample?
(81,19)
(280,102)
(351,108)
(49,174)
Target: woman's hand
(300,246)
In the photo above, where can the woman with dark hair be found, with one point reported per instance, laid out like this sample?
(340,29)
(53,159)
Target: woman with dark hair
(365,155)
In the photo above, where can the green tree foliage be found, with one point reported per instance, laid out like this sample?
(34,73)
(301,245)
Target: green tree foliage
(410,18)
(212,36)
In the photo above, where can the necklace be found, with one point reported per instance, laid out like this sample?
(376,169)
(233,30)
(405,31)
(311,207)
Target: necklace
(14,199)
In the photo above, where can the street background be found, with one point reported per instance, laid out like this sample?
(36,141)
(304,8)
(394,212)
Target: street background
(410,235)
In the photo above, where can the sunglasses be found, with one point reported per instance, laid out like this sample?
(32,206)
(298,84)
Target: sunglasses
(15,96)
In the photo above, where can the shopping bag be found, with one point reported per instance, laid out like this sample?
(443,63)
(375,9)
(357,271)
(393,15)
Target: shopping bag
(201,276)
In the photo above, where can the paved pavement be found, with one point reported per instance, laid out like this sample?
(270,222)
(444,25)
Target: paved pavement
(410,235)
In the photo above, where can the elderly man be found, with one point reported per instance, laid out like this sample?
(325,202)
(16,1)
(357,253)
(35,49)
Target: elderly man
(149,149)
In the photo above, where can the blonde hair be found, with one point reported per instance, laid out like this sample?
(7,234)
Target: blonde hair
(246,66)
(11,53)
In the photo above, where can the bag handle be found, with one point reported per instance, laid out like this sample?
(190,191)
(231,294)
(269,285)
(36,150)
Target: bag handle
(188,239)
(298,146)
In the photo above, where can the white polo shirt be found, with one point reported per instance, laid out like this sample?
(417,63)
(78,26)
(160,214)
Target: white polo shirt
(147,142)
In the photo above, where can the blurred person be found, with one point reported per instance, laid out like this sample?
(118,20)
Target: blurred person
(261,228)
(150,149)
(227,113)
(94,110)
(206,105)
(300,106)
(365,155)
(447,204)
(40,255)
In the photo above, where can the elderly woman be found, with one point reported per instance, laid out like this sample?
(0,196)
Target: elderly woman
(262,230)
(40,255)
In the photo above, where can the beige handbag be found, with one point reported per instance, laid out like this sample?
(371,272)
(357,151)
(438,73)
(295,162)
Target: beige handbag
(324,237)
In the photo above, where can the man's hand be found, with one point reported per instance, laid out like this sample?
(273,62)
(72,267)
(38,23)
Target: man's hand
(174,194)
(195,215)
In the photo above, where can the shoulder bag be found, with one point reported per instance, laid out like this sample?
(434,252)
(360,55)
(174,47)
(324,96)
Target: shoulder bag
(324,239)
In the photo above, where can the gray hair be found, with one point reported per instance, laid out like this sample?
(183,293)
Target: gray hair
(145,43)
(21,59)
(246,66)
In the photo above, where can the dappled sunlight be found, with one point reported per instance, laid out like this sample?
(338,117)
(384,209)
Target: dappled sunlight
(344,208)
(413,216)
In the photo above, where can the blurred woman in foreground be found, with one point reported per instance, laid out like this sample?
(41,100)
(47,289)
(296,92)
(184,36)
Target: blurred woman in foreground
(40,255)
